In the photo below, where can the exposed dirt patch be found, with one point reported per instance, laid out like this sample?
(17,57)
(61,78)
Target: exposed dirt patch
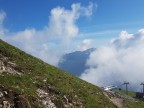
(119,102)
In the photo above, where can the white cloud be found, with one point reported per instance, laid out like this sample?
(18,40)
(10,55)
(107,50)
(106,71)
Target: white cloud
(125,35)
(50,43)
(86,44)
(2,17)
(63,22)
(122,60)
(84,11)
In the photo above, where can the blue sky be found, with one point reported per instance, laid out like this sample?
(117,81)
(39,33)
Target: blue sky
(33,19)
(112,14)
(31,13)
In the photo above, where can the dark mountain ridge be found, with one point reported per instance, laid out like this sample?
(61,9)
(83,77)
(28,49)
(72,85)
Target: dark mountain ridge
(75,62)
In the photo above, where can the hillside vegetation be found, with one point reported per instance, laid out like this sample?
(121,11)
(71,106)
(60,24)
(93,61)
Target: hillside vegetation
(28,82)
(130,100)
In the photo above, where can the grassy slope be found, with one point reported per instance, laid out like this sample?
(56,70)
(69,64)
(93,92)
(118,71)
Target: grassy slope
(35,70)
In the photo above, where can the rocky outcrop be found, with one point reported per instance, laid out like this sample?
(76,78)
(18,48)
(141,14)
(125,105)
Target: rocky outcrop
(45,99)
(7,66)
(10,99)
(53,98)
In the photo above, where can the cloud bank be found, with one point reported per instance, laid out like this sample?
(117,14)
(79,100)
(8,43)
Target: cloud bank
(53,40)
(121,60)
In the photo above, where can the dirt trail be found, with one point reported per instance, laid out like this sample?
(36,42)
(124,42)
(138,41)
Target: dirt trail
(118,102)
(115,100)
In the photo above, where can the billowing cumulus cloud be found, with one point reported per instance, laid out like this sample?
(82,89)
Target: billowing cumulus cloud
(63,22)
(53,40)
(121,60)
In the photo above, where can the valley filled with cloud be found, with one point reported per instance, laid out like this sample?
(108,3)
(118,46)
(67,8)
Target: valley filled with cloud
(121,60)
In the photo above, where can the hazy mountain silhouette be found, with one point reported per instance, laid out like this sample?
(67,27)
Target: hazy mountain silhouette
(75,62)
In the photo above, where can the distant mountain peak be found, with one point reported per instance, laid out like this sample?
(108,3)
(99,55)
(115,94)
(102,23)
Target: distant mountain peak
(75,62)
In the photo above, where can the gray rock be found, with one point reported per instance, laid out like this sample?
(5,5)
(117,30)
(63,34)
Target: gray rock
(6,104)
(1,95)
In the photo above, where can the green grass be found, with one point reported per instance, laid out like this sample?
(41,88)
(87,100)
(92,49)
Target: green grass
(123,93)
(35,71)
(134,103)
(131,103)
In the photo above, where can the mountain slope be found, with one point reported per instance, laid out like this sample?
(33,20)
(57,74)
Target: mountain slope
(28,82)
(75,62)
